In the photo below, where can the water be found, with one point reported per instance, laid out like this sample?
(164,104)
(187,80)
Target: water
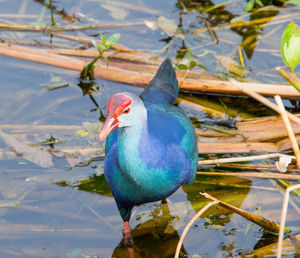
(66,210)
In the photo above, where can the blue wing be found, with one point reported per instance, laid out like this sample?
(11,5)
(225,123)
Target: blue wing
(171,143)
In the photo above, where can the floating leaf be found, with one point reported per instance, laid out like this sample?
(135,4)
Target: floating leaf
(290,45)
(231,65)
(169,27)
(37,155)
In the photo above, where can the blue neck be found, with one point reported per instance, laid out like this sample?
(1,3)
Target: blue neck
(129,139)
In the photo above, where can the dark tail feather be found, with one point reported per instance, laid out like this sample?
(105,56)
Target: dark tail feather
(164,86)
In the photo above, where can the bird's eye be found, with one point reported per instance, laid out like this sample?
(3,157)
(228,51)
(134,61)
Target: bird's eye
(126,111)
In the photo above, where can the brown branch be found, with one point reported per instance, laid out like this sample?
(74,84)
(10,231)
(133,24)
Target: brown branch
(258,220)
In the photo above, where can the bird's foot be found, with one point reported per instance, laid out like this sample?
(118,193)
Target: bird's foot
(128,241)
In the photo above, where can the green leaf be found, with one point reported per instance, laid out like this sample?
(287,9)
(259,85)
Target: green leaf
(294,2)
(113,39)
(260,3)
(213,7)
(193,63)
(182,67)
(290,46)
(202,66)
(100,47)
(103,39)
(231,65)
(249,6)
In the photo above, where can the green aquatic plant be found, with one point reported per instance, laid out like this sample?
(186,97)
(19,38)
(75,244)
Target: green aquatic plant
(290,53)
(290,46)
(87,71)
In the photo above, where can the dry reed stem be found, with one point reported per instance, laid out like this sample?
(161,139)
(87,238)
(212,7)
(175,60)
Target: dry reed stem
(66,28)
(40,127)
(267,224)
(268,103)
(278,19)
(242,159)
(252,174)
(239,147)
(289,128)
(101,218)
(188,226)
(291,78)
(283,217)
(130,77)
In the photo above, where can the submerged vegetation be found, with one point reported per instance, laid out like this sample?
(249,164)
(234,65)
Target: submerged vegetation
(227,55)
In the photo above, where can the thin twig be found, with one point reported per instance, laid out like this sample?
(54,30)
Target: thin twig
(241,159)
(213,36)
(187,227)
(56,86)
(267,224)
(101,218)
(40,127)
(233,25)
(283,217)
(268,103)
(291,78)
(251,174)
(289,128)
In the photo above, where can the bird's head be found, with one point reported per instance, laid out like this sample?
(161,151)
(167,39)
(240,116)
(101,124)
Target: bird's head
(124,110)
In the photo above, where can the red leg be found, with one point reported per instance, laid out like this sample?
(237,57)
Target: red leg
(127,237)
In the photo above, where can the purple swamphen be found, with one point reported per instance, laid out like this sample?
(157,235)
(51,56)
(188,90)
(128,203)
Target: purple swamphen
(151,148)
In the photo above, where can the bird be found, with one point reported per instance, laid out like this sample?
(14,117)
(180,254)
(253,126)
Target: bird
(151,145)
